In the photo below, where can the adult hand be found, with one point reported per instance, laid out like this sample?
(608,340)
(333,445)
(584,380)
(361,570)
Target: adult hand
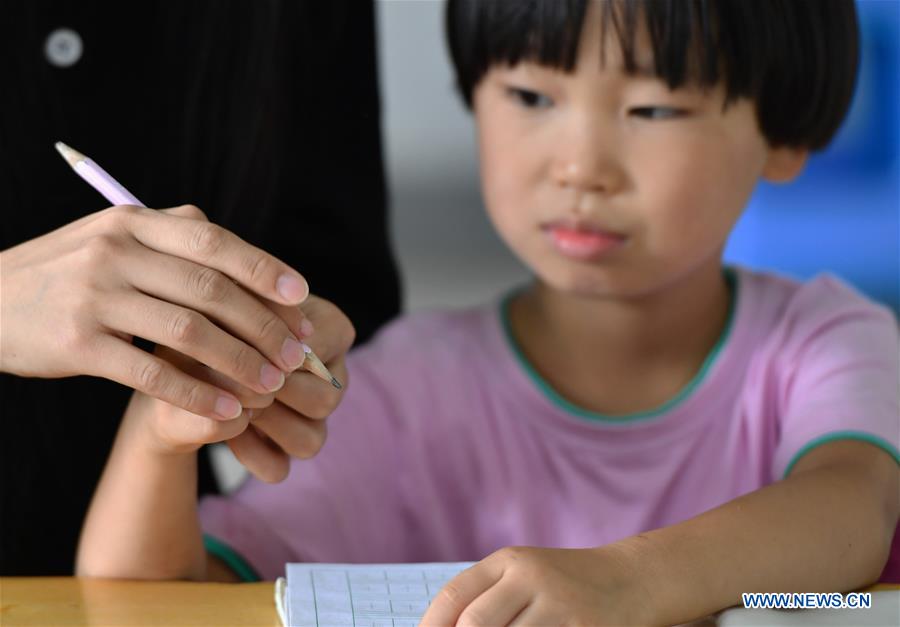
(269,431)
(537,586)
(73,299)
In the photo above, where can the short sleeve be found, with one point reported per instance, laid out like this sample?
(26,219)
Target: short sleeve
(841,373)
(343,505)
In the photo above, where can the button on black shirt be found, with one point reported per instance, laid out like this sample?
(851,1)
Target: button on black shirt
(264,113)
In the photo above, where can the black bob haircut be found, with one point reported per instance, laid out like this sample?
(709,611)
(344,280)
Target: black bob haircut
(795,59)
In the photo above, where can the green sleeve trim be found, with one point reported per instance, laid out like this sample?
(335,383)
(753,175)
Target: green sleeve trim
(844,435)
(235,562)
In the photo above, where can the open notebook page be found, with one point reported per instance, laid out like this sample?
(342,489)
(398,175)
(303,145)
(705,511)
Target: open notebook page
(356,595)
(396,595)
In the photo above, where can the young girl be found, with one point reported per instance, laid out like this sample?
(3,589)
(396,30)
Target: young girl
(670,432)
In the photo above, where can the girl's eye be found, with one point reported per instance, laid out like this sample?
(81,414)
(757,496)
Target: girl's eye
(529,99)
(657,113)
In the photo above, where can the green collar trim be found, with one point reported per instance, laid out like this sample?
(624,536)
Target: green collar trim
(862,436)
(731,278)
(232,558)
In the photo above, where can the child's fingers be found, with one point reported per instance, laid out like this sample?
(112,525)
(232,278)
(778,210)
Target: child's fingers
(452,600)
(293,317)
(193,238)
(260,456)
(534,614)
(297,435)
(312,397)
(334,333)
(183,431)
(120,361)
(500,604)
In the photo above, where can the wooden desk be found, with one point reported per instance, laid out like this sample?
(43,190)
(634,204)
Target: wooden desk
(60,601)
(80,601)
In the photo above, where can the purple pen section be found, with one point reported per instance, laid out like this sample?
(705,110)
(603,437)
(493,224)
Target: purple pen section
(97,177)
(100,180)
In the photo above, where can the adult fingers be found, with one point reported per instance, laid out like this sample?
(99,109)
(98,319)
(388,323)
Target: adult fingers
(211,245)
(296,435)
(189,332)
(290,314)
(248,398)
(210,292)
(156,377)
(260,456)
(186,211)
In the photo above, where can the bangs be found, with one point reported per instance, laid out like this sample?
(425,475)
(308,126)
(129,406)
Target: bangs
(797,60)
(506,32)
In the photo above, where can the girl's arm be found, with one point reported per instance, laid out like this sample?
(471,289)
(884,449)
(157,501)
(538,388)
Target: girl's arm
(142,522)
(826,528)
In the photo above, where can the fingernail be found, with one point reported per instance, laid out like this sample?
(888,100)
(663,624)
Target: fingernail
(306,327)
(228,407)
(271,377)
(292,353)
(292,288)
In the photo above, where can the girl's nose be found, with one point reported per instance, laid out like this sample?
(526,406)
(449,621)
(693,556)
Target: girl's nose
(587,164)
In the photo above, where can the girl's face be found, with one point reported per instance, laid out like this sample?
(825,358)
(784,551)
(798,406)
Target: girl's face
(612,185)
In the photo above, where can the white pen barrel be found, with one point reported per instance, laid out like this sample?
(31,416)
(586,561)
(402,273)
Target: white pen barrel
(100,180)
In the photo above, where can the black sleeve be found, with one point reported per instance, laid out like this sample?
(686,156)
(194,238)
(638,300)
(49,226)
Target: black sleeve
(265,114)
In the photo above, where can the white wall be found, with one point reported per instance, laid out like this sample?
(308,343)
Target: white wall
(448,252)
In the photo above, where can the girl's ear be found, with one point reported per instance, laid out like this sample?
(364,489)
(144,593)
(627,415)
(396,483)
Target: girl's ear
(784,164)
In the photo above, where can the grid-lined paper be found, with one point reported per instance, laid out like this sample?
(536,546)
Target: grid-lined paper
(363,595)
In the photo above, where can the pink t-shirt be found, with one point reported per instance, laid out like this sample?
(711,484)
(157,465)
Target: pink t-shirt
(448,445)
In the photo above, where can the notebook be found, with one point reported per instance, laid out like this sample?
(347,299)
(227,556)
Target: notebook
(396,595)
(360,595)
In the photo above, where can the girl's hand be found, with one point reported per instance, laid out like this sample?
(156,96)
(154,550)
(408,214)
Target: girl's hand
(532,586)
(268,432)
(294,425)
(73,299)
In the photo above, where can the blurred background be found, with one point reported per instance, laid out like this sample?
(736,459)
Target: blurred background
(841,216)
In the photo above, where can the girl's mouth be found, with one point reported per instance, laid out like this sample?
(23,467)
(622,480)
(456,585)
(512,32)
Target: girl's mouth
(582,241)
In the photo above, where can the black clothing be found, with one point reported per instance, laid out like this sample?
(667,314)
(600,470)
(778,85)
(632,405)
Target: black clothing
(265,114)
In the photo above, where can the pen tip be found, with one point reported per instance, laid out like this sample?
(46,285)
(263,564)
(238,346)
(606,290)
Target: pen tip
(336,383)
(68,153)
